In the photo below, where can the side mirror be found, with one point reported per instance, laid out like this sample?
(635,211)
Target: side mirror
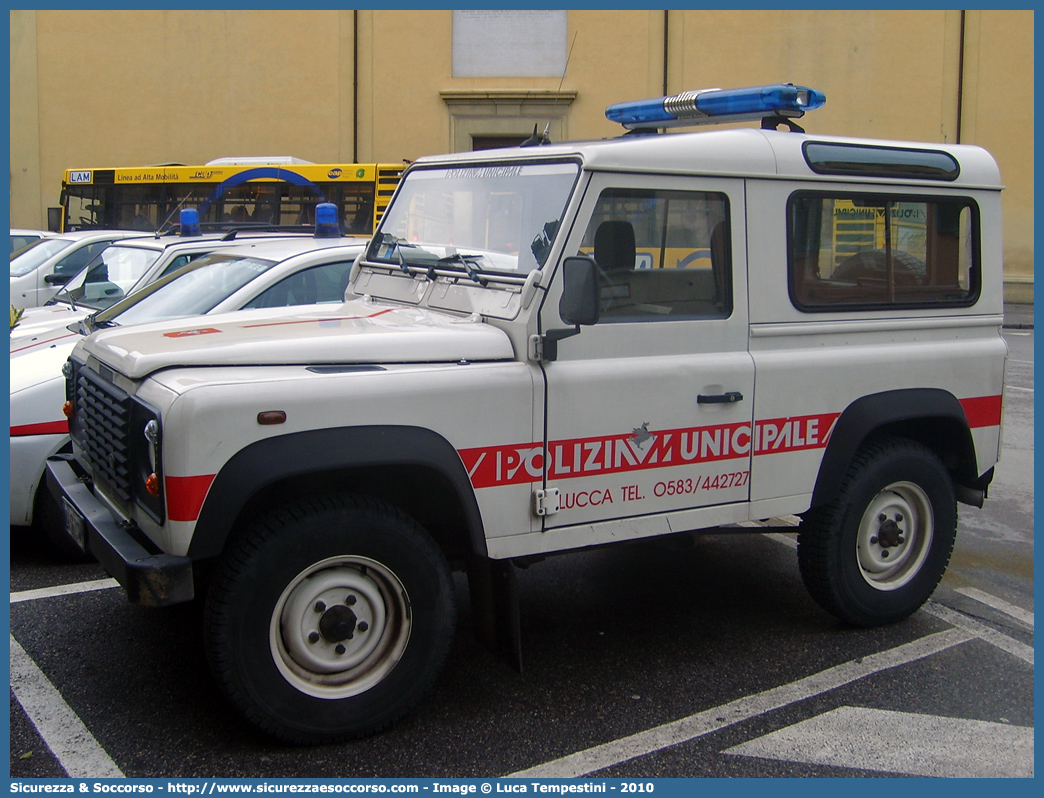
(580,295)
(56,279)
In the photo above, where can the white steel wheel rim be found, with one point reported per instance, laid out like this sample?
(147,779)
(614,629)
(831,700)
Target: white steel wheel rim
(340,627)
(895,536)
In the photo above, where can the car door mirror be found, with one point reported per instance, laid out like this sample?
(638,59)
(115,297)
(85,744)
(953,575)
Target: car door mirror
(580,299)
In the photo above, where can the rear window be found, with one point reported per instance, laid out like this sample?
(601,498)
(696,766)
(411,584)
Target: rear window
(862,251)
(876,161)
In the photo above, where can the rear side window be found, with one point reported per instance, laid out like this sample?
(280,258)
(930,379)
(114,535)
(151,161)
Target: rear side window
(861,251)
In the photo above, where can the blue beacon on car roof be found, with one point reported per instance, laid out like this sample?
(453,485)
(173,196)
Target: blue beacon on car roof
(704,106)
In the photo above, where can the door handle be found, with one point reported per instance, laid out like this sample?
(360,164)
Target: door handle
(719,398)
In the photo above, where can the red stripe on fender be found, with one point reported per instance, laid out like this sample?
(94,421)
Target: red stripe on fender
(45,428)
(185,496)
(43,343)
(982,411)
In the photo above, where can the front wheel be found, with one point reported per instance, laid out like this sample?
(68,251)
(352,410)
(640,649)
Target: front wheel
(877,552)
(330,619)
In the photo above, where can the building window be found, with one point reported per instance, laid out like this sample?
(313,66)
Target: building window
(481,115)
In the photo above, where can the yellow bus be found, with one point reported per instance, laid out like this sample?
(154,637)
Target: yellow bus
(241,191)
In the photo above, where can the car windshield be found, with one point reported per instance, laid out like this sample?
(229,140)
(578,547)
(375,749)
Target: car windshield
(192,290)
(34,255)
(20,241)
(476,218)
(108,278)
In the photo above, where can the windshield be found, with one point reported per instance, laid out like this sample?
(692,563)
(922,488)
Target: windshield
(193,290)
(486,217)
(34,255)
(108,278)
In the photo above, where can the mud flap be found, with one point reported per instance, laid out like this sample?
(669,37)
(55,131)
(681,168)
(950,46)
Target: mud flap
(494,608)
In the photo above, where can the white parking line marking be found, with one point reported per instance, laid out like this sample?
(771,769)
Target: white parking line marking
(711,720)
(1017,388)
(63,590)
(901,742)
(999,604)
(72,744)
(981,631)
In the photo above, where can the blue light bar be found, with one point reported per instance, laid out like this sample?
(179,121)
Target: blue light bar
(326,225)
(190,222)
(706,106)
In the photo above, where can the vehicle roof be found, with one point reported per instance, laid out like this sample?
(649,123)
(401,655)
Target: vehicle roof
(16,231)
(163,242)
(737,152)
(87,235)
(282,249)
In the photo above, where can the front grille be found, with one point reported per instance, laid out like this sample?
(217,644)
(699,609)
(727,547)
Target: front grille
(103,418)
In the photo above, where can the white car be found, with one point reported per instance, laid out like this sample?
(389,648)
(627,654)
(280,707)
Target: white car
(40,269)
(270,274)
(22,238)
(550,349)
(119,270)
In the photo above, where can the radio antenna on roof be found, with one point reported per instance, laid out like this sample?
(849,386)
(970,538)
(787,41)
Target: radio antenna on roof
(545,138)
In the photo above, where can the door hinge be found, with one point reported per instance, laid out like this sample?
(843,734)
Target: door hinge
(536,348)
(544,348)
(546,501)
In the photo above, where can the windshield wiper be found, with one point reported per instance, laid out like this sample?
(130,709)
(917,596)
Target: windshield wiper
(418,256)
(468,262)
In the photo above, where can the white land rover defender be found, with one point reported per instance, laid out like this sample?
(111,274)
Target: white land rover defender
(550,348)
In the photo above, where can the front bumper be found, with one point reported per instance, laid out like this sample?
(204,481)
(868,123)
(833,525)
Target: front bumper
(149,579)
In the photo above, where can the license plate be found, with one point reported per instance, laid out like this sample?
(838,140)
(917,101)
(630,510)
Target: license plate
(73,523)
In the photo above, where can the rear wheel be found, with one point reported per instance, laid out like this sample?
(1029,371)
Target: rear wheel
(330,619)
(877,552)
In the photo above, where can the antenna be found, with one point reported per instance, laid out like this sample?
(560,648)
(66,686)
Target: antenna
(545,138)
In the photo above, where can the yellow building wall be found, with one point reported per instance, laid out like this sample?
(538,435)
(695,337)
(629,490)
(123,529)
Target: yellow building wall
(998,115)
(118,88)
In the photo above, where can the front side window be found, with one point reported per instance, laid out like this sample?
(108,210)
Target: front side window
(109,277)
(865,251)
(496,217)
(661,254)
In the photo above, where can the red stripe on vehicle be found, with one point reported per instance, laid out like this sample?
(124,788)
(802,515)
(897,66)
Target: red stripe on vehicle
(185,496)
(642,449)
(983,411)
(45,428)
(35,344)
(317,321)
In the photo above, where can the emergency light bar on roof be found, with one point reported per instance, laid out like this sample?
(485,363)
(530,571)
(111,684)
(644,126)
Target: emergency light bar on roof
(715,106)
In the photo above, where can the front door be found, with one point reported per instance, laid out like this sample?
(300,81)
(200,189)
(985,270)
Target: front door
(648,412)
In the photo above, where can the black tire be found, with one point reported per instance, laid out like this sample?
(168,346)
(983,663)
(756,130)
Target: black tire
(877,552)
(330,619)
